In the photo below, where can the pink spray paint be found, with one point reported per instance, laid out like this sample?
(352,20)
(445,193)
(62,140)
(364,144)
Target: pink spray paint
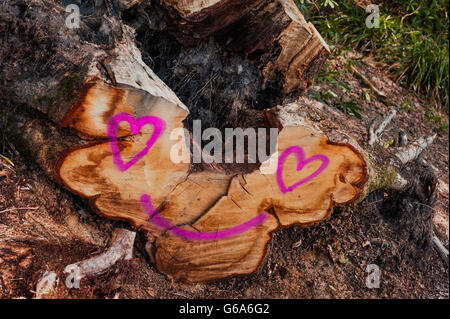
(162,223)
(158,127)
(302,162)
(146,203)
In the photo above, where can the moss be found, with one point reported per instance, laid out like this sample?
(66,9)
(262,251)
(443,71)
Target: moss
(67,92)
(381,177)
(384,178)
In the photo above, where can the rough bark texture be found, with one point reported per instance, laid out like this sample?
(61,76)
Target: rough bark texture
(273,33)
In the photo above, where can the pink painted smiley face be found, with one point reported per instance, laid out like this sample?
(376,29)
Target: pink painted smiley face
(158,127)
(302,162)
(146,203)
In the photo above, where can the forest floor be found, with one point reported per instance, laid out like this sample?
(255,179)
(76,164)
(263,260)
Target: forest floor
(44,227)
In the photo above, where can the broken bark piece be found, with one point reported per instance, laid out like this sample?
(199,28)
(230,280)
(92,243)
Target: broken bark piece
(274,33)
(121,247)
(412,152)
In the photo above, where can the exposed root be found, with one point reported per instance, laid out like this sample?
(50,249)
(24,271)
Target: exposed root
(121,248)
(412,152)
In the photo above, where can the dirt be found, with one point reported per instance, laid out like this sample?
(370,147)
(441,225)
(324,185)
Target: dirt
(410,118)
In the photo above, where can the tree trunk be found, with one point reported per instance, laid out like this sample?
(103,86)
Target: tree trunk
(286,48)
(102,124)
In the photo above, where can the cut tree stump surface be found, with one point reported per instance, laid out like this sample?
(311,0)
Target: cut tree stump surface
(206,225)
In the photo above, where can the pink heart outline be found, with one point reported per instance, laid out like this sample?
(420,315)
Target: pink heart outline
(158,124)
(302,162)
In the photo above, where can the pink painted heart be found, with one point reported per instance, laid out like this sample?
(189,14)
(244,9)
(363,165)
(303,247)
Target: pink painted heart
(135,125)
(302,162)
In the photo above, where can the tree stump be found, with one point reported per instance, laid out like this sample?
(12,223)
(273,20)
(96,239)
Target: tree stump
(100,122)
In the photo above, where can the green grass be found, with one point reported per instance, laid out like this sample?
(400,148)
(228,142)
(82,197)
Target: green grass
(412,40)
(434,119)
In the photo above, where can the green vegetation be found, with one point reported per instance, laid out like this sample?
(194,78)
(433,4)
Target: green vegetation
(350,108)
(412,40)
(334,78)
(436,120)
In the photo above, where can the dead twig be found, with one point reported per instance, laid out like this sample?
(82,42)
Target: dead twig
(409,14)
(367,82)
(375,134)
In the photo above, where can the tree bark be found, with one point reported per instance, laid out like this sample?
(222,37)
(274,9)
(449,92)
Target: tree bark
(286,48)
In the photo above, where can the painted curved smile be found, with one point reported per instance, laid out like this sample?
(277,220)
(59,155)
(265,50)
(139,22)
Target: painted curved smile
(162,223)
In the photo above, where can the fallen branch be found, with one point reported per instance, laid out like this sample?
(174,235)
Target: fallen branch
(374,135)
(412,152)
